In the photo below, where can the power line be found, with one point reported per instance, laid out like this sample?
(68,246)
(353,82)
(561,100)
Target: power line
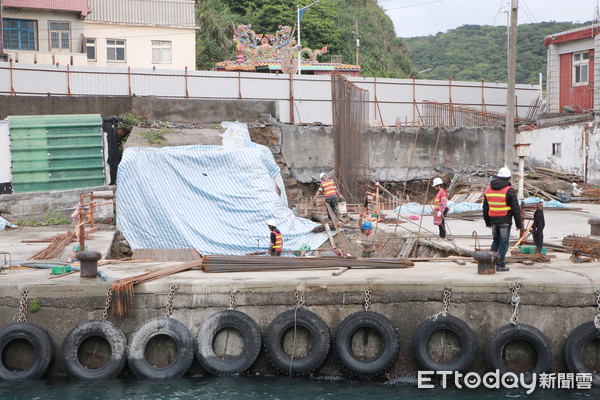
(528,12)
(413,5)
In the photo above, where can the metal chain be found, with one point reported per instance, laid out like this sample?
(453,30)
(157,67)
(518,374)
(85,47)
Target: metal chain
(446,301)
(107,304)
(515,301)
(172,292)
(232,299)
(300,298)
(22,319)
(368,299)
(597,317)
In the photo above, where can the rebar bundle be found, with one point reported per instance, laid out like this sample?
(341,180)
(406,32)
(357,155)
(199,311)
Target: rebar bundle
(123,288)
(257,263)
(582,246)
(55,248)
(452,115)
(350,117)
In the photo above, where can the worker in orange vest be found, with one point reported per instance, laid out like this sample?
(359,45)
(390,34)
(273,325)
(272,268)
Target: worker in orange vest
(276,239)
(500,203)
(440,208)
(329,189)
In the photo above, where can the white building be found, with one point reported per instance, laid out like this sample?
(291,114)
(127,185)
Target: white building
(141,34)
(100,33)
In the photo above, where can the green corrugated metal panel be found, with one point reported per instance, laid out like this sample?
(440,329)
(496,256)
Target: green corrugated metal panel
(56,152)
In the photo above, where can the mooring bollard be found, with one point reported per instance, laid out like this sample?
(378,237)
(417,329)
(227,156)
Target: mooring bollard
(486,262)
(594,226)
(88,261)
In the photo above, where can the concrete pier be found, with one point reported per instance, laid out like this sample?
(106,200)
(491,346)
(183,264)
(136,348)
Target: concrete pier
(556,297)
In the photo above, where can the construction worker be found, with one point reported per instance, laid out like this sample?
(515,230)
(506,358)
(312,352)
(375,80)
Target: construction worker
(440,208)
(368,241)
(537,228)
(276,239)
(327,186)
(500,203)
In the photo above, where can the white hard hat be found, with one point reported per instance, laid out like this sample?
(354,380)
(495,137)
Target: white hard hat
(437,181)
(322,175)
(504,172)
(271,222)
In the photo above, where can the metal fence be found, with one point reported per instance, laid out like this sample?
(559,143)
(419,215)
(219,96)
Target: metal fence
(350,119)
(304,99)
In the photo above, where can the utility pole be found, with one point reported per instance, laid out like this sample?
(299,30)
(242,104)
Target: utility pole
(510,137)
(357,40)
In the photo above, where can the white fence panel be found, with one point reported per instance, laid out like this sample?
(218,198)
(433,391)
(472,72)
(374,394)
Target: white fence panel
(211,85)
(312,93)
(102,82)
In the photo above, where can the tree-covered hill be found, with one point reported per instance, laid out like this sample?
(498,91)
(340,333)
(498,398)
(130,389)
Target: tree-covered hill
(473,52)
(329,23)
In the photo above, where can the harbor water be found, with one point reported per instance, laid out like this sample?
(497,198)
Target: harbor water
(262,387)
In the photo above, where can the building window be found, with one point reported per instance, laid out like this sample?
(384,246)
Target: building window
(19,34)
(556,149)
(581,63)
(161,52)
(90,46)
(60,35)
(115,50)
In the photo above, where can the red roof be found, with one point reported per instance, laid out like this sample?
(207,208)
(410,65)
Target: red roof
(575,34)
(80,6)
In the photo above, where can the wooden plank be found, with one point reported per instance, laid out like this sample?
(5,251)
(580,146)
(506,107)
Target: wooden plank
(326,225)
(343,241)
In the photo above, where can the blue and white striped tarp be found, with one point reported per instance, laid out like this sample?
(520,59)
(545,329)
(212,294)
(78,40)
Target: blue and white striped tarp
(215,199)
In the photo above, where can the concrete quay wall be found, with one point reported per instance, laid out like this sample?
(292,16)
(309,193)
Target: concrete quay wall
(555,309)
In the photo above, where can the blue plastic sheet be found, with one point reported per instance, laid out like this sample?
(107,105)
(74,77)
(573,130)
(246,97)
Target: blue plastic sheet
(215,199)
(4,223)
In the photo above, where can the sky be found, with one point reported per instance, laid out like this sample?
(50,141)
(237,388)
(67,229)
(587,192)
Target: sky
(428,17)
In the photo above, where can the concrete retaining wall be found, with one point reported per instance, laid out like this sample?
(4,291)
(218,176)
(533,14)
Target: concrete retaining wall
(308,150)
(155,108)
(407,306)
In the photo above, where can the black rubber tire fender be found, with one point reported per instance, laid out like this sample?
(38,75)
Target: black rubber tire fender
(69,351)
(343,343)
(508,333)
(468,352)
(42,346)
(205,337)
(574,345)
(172,328)
(321,342)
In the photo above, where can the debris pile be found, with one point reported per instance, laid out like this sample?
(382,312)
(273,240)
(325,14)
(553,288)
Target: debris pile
(582,248)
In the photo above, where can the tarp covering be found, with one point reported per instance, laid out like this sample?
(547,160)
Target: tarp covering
(416,208)
(4,223)
(216,199)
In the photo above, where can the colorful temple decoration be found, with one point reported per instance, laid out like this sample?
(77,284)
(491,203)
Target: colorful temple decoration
(265,53)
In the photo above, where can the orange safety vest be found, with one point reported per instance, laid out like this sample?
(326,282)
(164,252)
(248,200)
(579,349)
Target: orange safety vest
(438,199)
(278,241)
(497,201)
(329,188)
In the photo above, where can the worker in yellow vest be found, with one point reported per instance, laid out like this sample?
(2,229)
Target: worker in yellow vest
(330,191)
(500,204)
(276,239)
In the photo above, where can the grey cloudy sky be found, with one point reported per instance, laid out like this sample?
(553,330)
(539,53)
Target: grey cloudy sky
(428,17)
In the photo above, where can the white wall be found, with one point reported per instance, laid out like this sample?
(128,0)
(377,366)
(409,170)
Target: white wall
(312,93)
(138,46)
(572,150)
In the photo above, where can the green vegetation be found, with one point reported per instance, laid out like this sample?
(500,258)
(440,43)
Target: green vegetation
(35,305)
(58,219)
(472,52)
(156,136)
(328,23)
(131,118)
